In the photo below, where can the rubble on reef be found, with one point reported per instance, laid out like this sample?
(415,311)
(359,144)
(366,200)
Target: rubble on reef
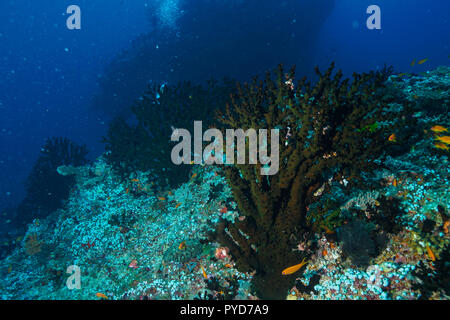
(377,232)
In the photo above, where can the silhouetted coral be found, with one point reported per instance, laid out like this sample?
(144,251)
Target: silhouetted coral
(146,145)
(45,187)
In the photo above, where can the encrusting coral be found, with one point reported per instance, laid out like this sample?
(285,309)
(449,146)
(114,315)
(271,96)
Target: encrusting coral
(332,129)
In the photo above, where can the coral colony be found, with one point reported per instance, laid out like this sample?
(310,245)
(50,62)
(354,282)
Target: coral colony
(347,198)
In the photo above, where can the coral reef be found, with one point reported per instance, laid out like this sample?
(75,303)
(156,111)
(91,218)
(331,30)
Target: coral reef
(133,241)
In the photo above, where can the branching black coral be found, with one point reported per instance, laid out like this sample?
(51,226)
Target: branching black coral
(333,128)
(45,187)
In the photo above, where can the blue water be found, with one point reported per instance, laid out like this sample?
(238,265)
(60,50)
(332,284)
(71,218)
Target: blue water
(57,82)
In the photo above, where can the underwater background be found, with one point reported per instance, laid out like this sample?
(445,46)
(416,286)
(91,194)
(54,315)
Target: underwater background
(86,177)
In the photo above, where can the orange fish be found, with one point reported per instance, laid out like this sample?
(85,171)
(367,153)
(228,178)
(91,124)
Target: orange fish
(101,295)
(134,180)
(204,272)
(442,146)
(127,190)
(324,252)
(439,129)
(444,139)
(179,204)
(392,138)
(394,183)
(194,175)
(182,245)
(161,198)
(422,61)
(327,230)
(293,269)
(228,265)
(430,253)
(445,226)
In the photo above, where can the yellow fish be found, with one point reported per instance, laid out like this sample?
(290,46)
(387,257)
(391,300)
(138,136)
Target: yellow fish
(101,295)
(182,245)
(439,129)
(293,269)
(422,61)
(444,139)
(441,146)
(413,63)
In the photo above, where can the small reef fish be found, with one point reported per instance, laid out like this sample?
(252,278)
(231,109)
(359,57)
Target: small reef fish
(182,245)
(134,180)
(161,198)
(228,265)
(204,272)
(392,138)
(224,210)
(101,295)
(413,63)
(422,61)
(178,204)
(430,253)
(439,129)
(194,175)
(441,146)
(293,269)
(395,183)
(444,139)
